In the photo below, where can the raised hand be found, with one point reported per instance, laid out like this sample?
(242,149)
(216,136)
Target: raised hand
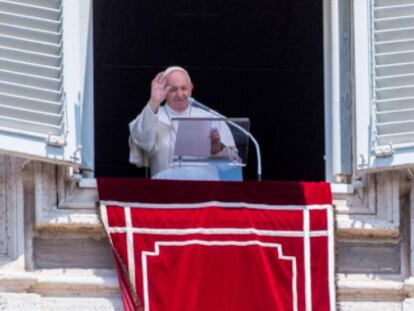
(159,91)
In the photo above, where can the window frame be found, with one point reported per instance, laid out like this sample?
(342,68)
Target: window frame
(368,157)
(337,90)
(75,146)
(78,79)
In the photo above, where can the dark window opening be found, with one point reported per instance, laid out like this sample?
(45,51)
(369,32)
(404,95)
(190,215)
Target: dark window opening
(261,59)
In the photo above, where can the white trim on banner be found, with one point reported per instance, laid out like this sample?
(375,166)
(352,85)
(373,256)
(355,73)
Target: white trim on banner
(306,234)
(130,246)
(158,244)
(217,204)
(307,259)
(213,231)
(331,258)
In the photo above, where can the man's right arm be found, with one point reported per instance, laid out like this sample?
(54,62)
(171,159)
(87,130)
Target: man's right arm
(143,129)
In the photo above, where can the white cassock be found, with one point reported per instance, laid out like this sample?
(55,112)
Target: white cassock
(151,137)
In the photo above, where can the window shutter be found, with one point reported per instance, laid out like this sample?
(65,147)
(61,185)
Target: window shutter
(384,68)
(33,111)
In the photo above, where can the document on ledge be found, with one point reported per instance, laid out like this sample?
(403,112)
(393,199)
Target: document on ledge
(193,138)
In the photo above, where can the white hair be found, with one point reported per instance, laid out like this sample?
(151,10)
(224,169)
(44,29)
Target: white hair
(168,70)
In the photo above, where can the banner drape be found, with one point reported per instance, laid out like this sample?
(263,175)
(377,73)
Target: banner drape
(197,245)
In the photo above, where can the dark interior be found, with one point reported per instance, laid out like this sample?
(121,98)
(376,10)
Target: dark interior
(260,59)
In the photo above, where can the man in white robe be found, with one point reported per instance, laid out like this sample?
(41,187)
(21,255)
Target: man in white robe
(152,130)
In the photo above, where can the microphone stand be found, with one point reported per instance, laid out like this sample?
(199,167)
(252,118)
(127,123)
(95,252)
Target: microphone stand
(192,101)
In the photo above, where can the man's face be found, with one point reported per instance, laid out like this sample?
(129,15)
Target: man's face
(180,90)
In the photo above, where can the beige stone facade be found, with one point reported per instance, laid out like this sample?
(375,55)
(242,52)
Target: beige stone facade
(54,253)
(55,256)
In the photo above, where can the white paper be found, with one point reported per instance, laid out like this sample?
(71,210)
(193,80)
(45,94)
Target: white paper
(193,138)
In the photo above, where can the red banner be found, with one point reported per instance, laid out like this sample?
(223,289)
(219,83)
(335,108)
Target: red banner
(193,245)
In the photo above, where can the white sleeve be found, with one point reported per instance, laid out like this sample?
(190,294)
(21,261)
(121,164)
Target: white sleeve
(230,149)
(226,136)
(143,129)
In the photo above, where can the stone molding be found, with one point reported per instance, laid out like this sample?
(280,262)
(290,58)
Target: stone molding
(373,209)
(60,204)
(55,282)
(11,215)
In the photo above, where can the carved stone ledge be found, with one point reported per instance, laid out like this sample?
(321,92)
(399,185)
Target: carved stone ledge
(35,302)
(59,207)
(55,282)
(374,210)
(370,306)
(84,304)
(409,286)
(369,288)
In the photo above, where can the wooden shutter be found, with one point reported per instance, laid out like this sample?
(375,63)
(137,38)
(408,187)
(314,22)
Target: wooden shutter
(389,141)
(33,119)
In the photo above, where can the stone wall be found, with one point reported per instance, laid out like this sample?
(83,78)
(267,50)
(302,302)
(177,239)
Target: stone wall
(54,254)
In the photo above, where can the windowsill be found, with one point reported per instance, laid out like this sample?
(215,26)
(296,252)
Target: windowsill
(342,188)
(88,183)
(336,188)
(80,207)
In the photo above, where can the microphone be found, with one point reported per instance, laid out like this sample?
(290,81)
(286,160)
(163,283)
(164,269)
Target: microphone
(196,103)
